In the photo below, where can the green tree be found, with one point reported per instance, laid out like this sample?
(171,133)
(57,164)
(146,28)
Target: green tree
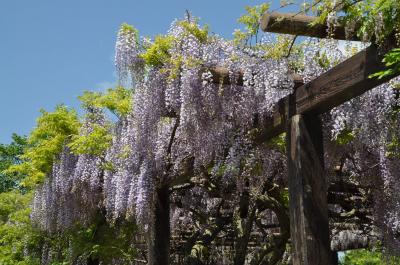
(20,243)
(10,155)
(46,141)
(117,100)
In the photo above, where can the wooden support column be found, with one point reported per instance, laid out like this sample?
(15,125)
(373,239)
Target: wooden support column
(159,231)
(309,226)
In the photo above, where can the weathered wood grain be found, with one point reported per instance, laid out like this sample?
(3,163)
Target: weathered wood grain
(309,226)
(343,82)
(221,76)
(302,25)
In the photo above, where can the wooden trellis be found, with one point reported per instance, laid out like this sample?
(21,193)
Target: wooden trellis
(298,116)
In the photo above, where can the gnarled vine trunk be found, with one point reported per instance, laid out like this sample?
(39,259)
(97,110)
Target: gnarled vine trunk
(93,261)
(159,230)
(243,241)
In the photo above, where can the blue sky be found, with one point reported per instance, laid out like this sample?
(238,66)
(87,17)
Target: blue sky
(53,50)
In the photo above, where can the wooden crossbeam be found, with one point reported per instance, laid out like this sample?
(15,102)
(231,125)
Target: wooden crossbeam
(302,25)
(343,82)
(220,75)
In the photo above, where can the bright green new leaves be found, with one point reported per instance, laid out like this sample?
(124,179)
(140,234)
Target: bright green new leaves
(361,257)
(46,141)
(55,130)
(98,139)
(117,100)
(372,20)
(17,235)
(158,53)
(367,257)
(127,29)
(345,136)
(94,142)
(16,232)
(283,47)
(62,122)
(280,48)
(192,28)
(392,61)
(251,21)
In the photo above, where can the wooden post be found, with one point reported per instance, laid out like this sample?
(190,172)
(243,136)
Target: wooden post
(309,226)
(159,231)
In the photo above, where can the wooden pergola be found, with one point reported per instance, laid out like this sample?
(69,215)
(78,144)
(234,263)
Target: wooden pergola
(298,116)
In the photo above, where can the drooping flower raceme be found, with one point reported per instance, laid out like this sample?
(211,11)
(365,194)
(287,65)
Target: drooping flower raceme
(183,125)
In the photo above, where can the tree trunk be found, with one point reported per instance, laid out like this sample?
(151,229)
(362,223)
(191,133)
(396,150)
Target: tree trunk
(243,241)
(93,261)
(159,230)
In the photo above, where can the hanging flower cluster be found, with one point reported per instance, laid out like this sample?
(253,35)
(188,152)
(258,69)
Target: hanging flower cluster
(185,126)
(72,192)
(181,120)
(373,121)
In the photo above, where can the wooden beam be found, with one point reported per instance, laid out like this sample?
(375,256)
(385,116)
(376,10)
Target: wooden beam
(308,208)
(221,75)
(302,25)
(343,82)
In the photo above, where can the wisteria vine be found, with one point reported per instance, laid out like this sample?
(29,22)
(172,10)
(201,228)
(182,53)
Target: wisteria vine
(183,126)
